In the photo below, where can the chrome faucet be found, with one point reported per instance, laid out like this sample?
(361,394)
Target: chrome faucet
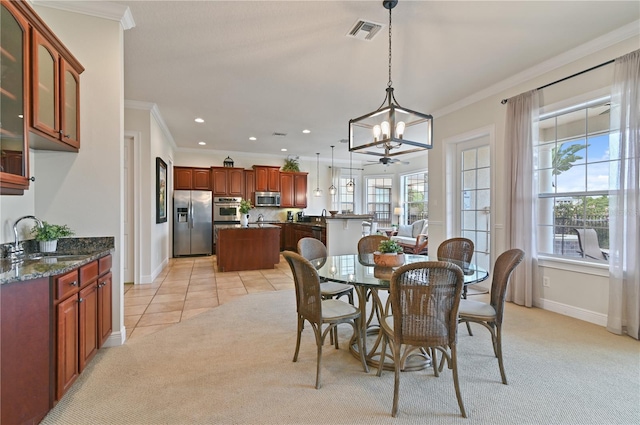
(17,252)
(260,218)
(324,213)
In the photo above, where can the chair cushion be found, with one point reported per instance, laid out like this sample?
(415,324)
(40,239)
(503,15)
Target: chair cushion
(336,309)
(476,309)
(333,288)
(416,227)
(410,241)
(405,230)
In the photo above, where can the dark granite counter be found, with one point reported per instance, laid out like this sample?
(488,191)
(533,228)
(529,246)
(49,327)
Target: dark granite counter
(71,254)
(249,226)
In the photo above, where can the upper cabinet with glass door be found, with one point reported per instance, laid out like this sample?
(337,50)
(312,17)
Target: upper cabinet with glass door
(55,110)
(14,61)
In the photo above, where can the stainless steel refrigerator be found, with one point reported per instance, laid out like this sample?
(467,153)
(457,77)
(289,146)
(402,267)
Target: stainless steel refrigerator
(192,222)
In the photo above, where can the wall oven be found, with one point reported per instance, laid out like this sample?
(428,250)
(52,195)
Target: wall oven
(226,209)
(267,199)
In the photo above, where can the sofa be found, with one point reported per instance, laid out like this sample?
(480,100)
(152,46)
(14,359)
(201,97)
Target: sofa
(413,238)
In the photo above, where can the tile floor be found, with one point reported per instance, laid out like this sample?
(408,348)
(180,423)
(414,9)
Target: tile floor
(192,285)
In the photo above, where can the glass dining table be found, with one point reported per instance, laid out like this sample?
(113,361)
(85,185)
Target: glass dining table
(369,280)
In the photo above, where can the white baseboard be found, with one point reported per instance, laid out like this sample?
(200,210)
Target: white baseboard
(150,278)
(116,338)
(571,311)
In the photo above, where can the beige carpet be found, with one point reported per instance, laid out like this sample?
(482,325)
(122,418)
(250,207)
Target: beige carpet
(233,365)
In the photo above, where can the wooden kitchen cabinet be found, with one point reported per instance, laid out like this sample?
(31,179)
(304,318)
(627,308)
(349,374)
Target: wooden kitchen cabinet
(82,320)
(105,290)
(267,178)
(227,181)
(249,186)
(182,178)
(189,178)
(14,96)
(293,190)
(55,92)
(25,352)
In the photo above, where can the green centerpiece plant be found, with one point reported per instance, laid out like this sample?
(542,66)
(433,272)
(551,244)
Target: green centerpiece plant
(389,254)
(48,235)
(291,164)
(245,207)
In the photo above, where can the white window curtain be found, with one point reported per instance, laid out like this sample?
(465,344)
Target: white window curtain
(520,136)
(624,210)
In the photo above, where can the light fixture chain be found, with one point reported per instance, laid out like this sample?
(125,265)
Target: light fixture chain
(390,83)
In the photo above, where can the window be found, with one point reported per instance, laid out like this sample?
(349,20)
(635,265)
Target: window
(572,162)
(415,196)
(379,200)
(346,200)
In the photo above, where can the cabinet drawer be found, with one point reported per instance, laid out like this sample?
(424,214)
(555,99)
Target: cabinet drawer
(88,272)
(66,285)
(104,264)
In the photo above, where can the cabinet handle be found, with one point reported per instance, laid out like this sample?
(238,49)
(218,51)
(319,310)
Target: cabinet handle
(80,300)
(74,283)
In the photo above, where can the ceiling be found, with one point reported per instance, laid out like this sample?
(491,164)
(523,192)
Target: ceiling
(270,69)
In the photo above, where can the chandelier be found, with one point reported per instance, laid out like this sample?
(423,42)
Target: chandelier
(392,129)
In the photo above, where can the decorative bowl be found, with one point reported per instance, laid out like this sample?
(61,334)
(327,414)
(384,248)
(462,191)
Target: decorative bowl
(388,260)
(333,213)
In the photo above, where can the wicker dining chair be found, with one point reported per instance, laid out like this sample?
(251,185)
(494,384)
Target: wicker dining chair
(317,311)
(424,301)
(369,244)
(490,314)
(312,249)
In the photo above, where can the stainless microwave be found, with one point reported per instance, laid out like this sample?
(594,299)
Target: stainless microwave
(267,199)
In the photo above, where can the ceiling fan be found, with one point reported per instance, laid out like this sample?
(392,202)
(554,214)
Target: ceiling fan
(386,159)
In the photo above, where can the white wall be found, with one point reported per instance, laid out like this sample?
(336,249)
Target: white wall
(142,119)
(84,190)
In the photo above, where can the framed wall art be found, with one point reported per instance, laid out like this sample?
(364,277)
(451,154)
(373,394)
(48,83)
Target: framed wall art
(161,190)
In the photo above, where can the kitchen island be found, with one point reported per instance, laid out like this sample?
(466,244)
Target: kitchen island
(254,247)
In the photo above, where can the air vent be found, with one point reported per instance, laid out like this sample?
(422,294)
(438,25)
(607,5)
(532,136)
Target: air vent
(364,30)
(275,133)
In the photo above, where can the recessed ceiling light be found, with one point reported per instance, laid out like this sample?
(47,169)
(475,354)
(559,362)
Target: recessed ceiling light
(252,138)
(306,131)
(202,143)
(283,150)
(199,120)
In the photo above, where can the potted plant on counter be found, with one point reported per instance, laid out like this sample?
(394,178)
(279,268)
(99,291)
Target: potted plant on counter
(48,235)
(245,207)
(389,254)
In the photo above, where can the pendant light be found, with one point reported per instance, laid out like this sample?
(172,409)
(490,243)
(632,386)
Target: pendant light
(318,191)
(332,188)
(392,129)
(350,185)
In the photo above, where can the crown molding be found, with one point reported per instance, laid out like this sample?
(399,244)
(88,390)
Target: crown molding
(155,113)
(98,9)
(621,34)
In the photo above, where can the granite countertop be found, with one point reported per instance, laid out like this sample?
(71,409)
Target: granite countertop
(71,254)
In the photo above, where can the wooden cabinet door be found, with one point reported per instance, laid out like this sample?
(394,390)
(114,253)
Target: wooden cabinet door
(287,194)
(182,178)
(235,182)
(67,345)
(300,190)
(274,179)
(14,111)
(25,352)
(69,105)
(201,179)
(249,185)
(88,324)
(45,91)
(219,181)
(105,286)
(262,178)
